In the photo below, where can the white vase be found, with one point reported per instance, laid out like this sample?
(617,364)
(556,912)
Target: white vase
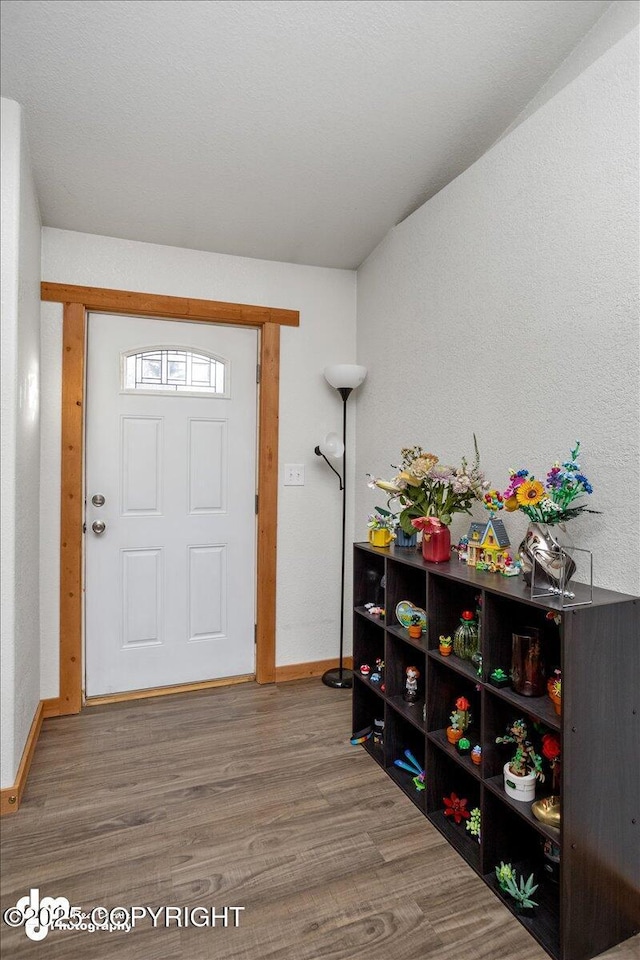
(519,788)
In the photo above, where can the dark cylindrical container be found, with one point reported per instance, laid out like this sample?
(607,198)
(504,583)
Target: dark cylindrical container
(527,664)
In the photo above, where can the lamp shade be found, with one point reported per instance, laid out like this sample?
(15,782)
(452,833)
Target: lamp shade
(347,375)
(332,446)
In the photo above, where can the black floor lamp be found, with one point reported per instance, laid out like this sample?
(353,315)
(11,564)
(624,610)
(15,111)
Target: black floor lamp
(345,377)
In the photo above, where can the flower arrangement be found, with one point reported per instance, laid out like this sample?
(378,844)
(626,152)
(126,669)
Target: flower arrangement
(382,519)
(525,760)
(552,501)
(430,492)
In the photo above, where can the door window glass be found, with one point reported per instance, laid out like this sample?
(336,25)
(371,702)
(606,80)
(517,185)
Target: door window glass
(174,371)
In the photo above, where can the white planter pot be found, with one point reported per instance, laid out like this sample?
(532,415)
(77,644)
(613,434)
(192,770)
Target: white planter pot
(519,788)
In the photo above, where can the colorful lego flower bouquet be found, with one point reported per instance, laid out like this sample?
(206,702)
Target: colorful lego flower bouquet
(552,501)
(431,492)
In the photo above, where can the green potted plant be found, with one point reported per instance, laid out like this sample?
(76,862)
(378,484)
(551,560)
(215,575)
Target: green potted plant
(459,720)
(415,627)
(473,823)
(444,646)
(499,677)
(519,890)
(524,768)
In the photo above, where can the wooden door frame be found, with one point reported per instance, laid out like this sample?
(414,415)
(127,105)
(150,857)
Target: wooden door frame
(77,302)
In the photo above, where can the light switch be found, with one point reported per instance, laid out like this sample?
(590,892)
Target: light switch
(294,474)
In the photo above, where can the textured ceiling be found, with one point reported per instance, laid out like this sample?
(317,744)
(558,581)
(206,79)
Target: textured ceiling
(294,131)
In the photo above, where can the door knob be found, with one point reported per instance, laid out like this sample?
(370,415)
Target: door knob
(98,526)
(97,500)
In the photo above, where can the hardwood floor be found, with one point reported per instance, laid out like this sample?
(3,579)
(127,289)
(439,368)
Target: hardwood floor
(242,796)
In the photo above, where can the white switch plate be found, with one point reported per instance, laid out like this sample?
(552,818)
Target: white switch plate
(294,474)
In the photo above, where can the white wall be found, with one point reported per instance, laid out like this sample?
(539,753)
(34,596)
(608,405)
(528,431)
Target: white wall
(308,599)
(507,306)
(619,19)
(20,431)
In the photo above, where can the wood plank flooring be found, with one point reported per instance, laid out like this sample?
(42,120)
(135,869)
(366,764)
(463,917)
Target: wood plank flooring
(242,796)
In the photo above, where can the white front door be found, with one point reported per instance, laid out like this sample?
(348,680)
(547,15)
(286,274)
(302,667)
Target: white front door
(171,447)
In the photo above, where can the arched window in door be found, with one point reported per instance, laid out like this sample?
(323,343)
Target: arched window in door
(175,370)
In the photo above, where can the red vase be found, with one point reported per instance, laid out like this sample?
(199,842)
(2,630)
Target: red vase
(436,544)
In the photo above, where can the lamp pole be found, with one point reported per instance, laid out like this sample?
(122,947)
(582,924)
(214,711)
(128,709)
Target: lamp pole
(342,678)
(343,377)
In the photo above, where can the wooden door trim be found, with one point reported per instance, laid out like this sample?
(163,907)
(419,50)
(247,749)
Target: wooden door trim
(168,308)
(78,301)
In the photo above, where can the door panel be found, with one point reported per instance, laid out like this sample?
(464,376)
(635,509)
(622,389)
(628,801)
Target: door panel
(208,468)
(141,458)
(170,584)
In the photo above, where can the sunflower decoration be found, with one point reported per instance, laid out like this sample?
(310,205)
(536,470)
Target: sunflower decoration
(529,493)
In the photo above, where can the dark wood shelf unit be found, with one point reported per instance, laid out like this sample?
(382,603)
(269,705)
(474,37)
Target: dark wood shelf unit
(420,643)
(596,902)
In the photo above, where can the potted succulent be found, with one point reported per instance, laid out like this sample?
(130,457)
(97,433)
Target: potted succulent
(520,890)
(459,720)
(473,823)
(444,646)
(456,807)
(499,678)
(464,745)
(476,754)
(554,689)
(415,627)
(524,768)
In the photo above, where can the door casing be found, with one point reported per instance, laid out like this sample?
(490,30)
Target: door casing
(77,302)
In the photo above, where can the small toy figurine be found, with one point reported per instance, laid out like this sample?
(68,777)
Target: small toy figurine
(374,611)
(513,568)
(462,548)
(378,732)
(378,675)
(365,669)
(411,684)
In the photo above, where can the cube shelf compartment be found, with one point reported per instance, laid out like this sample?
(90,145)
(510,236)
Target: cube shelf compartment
(592,901)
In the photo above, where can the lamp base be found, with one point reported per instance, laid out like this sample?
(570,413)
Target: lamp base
(338,678)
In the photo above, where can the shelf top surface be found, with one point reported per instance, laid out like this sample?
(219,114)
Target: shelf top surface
(513,588)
